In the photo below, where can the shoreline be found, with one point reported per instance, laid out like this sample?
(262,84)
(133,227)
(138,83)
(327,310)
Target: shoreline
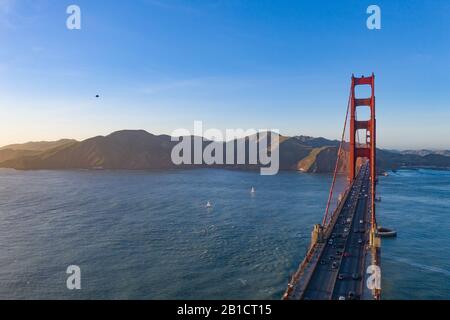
(381,173)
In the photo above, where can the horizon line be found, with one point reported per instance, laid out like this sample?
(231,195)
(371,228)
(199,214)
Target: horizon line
(203,137)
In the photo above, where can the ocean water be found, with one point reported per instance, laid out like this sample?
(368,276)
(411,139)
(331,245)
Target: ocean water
(148,235)
(416,265)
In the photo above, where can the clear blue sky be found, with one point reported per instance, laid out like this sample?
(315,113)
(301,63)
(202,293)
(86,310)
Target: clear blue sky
(161,64)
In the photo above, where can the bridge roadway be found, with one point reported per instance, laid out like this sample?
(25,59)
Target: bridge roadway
(339,271)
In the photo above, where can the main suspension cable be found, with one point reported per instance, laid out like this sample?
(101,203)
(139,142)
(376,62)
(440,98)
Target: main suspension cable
(330,197)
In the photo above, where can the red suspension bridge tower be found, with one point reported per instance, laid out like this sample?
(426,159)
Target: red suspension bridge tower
(348,240)
(365,149)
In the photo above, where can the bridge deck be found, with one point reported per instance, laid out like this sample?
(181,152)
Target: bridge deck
(337,266)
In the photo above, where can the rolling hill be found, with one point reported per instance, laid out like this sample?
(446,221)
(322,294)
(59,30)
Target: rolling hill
(140,150)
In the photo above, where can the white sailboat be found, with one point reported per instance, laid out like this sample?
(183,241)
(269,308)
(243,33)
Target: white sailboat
(253,191)
(208,205)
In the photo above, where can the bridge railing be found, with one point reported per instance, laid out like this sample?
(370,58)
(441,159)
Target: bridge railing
(299,273)
(312,250)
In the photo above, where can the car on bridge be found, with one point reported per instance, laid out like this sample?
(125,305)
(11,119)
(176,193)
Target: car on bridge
(351,295)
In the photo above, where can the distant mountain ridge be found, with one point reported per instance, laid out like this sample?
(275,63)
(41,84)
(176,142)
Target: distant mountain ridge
(14,151)
(426,152)
(38,146)
(141,150)
(127,149)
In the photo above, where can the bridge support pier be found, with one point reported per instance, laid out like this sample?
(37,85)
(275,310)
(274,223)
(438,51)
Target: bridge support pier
(375,240)
(375,249)
(317,235)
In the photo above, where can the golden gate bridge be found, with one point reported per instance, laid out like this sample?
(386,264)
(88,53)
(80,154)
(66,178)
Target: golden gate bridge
(346,245)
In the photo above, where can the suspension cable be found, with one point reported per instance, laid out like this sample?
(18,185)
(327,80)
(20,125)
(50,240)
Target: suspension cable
(330,196)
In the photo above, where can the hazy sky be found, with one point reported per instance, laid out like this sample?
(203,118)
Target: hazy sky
(161,64)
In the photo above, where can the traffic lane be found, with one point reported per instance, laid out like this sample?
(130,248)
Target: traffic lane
(324,282)
(321,285)
(347,262)
(351,265)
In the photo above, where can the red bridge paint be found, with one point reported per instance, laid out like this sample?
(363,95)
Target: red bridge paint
(314,279)
(368,148)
